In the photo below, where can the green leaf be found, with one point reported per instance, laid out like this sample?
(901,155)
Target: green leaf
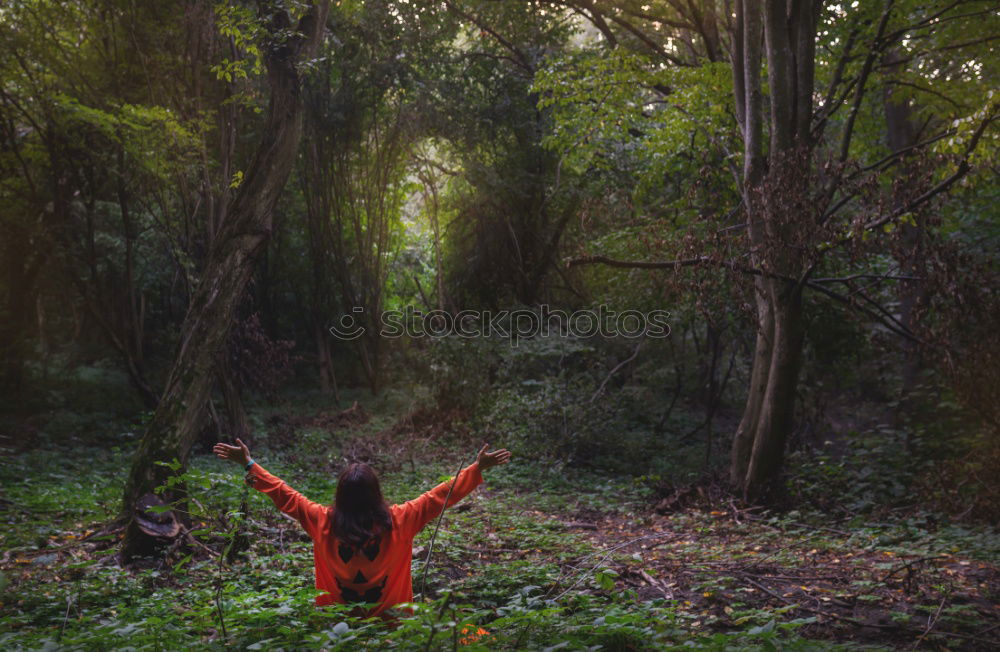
(606,578)
(761,629)
(175,465)
(181,563)
(159,509)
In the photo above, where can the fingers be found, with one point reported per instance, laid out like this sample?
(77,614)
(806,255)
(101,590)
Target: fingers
(501,456)
(494,458)
(224,450)
(242,445)
(482,451)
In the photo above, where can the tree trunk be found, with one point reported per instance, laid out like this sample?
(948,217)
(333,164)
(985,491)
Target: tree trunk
(771,403)
(239,425)
(14,330)
(743,441)
(230,264)
(902,132)
(776,195)
(327,376)
(759,444)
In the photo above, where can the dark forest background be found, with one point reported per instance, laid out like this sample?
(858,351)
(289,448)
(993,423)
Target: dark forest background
(192,194)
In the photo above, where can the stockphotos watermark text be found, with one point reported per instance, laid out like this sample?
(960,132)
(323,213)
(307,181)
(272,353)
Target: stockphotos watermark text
(512,325)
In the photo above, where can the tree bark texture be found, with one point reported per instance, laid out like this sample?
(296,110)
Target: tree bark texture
(776,198)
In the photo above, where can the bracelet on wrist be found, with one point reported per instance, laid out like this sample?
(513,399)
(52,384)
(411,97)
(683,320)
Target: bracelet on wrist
(249,464)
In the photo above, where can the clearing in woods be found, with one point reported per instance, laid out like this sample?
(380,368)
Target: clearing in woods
(620,563)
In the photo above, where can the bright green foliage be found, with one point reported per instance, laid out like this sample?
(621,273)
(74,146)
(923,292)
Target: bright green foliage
(661,147)
(622,111)
(241,25)
(151,136)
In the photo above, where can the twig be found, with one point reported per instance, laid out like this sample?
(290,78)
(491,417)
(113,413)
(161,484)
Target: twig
(190,537)
(988,629)
(30,551)
(796,578)
(69,602)
(820,612)
(908,564)
(430,546)
(219,583)
(854,621)
(800,524)
(613,371)
(218,598)
(769,591)
(657,584)
(447,599)
(852,277)
(930,624)
(758,561)
(609,552)
(963,168)
(486,550)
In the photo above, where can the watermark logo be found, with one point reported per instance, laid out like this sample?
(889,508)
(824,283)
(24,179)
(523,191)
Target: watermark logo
(349,327)
(512,325)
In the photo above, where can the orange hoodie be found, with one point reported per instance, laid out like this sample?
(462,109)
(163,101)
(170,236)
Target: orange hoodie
(378,571)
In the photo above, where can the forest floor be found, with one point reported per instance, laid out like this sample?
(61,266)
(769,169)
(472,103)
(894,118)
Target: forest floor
(542,556)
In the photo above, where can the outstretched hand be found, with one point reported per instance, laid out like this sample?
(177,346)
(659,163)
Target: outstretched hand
(239,453)
(489,460)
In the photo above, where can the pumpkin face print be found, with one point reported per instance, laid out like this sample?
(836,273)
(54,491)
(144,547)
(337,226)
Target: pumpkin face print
(377,571)
(357,559)
(357,592)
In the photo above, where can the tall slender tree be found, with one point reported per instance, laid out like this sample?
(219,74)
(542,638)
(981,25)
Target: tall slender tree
(776,197)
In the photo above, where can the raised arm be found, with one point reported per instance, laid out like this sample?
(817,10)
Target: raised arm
(308,513)
(417,513)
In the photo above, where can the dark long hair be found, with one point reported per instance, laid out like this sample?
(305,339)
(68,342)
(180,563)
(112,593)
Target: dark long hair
(360,512)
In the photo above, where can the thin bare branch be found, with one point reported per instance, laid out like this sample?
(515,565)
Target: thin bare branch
(961,171)
(866,70)
(521,59)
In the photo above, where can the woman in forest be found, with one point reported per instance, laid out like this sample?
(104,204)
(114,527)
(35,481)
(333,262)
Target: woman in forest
(362,546)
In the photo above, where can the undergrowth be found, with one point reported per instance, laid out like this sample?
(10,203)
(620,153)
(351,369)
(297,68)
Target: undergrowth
(547,555)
